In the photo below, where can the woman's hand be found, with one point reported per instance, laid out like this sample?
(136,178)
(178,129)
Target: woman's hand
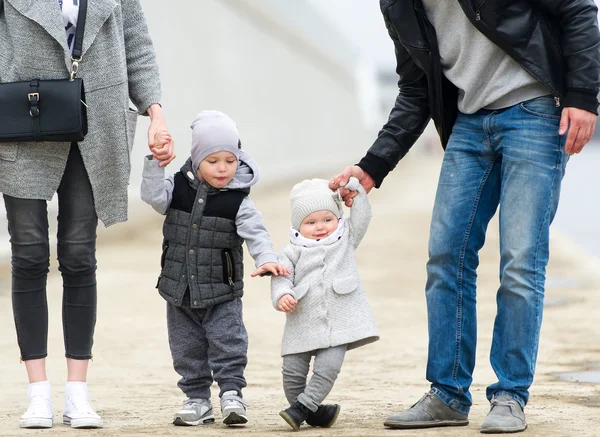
(160,142)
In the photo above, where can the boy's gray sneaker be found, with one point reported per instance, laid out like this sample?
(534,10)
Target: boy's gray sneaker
(506,415)
(429,412)
(233,408)
(194,412)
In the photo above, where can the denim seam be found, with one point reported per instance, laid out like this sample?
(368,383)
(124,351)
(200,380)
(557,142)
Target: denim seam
(537,251)
(34,357)
(512,395)
(78,357)
(65,323)
(452,403)
(460,273)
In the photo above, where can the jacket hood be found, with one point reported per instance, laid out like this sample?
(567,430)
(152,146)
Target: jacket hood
(246,175)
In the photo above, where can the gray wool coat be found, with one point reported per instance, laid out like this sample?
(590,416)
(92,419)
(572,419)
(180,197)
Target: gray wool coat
(332,307)
(118,64)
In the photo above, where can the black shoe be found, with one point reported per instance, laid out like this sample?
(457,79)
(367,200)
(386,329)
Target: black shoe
(295,415)
(324,417)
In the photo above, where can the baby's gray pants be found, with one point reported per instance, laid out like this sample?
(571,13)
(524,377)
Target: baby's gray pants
(326,367)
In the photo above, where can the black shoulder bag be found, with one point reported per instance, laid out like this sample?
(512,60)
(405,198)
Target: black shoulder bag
(47,110)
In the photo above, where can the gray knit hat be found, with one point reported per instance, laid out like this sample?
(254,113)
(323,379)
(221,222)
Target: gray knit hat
(313,195)
(213,131)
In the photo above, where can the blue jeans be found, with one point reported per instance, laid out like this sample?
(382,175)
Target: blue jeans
(515,159)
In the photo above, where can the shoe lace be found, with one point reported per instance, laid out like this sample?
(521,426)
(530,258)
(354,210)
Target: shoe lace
(502,403)
(38,404)
(81,406)
(425,398)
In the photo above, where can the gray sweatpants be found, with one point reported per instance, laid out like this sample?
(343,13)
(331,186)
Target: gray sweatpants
(326,367)
(208,343)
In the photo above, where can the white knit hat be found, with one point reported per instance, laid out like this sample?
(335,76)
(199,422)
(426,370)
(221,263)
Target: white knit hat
(213,131)
(313,195)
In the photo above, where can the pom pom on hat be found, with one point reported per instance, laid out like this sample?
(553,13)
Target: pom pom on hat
(313,195)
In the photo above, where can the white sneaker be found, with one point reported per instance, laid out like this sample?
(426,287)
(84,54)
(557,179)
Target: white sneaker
(78,411)
(39,414)
(233,408)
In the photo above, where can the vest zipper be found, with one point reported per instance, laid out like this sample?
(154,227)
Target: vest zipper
(229,268)
(478,11)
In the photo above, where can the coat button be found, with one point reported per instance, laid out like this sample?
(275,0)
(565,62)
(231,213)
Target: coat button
(200,200)
(191,251)
(195,302)
(194,226)
(192,277)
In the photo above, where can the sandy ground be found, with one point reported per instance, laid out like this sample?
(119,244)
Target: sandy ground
(132,382)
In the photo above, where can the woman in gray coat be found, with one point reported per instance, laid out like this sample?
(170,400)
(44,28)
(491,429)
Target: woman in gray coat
(90,177)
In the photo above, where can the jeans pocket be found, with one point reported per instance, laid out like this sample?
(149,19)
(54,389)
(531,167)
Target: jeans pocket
(544,107)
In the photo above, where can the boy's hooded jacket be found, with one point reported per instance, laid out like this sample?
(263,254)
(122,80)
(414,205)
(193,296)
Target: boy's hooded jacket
(204,230)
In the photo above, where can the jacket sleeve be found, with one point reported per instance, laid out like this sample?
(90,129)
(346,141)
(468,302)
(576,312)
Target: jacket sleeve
(250,227)
(142,69)
(156,191)
(360,213)
(407,120)
(282,285)
(580,44)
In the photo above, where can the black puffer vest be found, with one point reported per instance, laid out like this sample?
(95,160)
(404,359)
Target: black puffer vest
(202,251)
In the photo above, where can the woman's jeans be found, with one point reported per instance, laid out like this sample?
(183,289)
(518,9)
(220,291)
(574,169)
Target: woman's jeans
(513,158)
(28,228)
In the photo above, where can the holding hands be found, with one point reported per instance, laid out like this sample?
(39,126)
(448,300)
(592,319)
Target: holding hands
(160,143)
(341,180)
(271,269)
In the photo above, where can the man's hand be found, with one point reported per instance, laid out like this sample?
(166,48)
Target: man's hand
(580,124)
(341,180)
(287,303)
(271,269)
(166,153)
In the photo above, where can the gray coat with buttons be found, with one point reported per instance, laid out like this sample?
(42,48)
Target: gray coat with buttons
(202,249)
(118,65)
(332,307)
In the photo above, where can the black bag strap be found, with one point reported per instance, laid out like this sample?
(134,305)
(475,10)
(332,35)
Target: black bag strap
(34,108)
(78,39)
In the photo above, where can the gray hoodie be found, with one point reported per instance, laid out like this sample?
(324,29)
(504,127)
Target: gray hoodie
(158,191)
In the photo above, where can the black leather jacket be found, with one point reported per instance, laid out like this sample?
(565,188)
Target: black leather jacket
(556,41)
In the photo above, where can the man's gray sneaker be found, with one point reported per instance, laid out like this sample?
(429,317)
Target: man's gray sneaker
(233,408)
(506,415)
(429,412)
(195,412)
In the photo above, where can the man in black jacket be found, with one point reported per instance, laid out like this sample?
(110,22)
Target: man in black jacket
(512,88)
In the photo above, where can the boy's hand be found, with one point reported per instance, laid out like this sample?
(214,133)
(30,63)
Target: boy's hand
(161,145)
(166,153)
(287,303)
(271,269)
